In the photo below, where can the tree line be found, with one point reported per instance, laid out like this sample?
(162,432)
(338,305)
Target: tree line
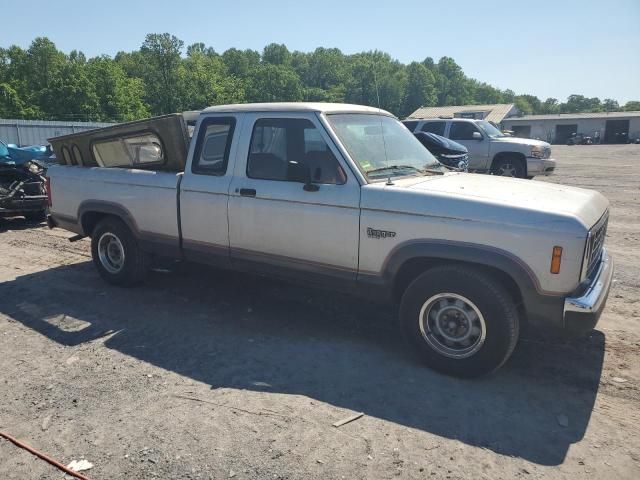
(162,77)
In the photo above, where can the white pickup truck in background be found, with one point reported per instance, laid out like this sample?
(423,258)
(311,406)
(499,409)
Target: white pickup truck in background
(490,150)
(342,196)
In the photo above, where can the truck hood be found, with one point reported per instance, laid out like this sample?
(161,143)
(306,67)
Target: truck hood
(487,198)
(521,141)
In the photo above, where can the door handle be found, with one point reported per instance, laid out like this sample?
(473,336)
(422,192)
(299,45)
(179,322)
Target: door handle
(248,192)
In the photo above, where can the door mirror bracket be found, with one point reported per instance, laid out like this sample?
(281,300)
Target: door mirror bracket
(309,186)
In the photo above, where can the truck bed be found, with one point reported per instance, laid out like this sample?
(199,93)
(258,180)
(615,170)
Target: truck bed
(148,198)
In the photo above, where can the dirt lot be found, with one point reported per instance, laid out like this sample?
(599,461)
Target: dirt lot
(206,374)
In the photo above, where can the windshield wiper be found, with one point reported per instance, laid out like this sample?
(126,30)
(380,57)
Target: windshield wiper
(393,167)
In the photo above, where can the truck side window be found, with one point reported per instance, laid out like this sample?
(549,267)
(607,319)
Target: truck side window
(285,148)
(434,127)
(462,131)
(211,155)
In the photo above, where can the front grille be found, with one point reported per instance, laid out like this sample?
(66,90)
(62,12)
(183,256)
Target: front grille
(595,243)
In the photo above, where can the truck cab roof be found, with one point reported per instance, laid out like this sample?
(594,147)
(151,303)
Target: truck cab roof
(295,107)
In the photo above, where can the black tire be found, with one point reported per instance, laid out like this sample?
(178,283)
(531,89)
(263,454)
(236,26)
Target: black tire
(38,216)
(497,309)
(135,262)
(509,166)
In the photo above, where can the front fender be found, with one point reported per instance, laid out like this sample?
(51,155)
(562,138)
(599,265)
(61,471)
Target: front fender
(540,305)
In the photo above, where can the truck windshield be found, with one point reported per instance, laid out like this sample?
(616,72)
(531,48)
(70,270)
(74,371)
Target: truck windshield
(382,146)
(489,129)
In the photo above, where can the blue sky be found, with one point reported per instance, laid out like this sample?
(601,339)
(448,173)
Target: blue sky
(546,48)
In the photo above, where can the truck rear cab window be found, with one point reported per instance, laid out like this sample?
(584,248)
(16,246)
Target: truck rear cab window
(211,155)
(462,131)
(434,127)
(137,150)
(285,148)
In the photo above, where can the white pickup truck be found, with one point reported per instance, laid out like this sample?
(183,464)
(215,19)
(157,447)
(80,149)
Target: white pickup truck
(490,150)
(344,196)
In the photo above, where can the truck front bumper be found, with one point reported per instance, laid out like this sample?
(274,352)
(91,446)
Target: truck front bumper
(540,166)
(582,311)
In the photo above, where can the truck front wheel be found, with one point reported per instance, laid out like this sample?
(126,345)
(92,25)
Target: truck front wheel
(116,253)
(460,320)
(508,166)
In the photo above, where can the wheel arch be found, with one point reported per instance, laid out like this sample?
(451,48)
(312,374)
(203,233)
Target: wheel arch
(521,157)
(91,212)
(412,259)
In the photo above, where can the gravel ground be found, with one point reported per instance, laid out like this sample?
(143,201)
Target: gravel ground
(203,374)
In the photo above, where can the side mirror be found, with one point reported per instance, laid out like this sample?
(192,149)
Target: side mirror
(308,185)
(477,136)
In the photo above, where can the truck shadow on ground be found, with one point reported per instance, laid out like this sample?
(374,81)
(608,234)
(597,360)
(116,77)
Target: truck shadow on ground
(239,331)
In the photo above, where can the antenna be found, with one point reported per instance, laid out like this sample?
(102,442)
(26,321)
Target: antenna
(384,143)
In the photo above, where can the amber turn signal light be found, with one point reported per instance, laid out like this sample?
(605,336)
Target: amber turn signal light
(556,258)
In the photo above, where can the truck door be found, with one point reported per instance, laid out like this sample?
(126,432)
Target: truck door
(204,189)
(280,222)
(463,133)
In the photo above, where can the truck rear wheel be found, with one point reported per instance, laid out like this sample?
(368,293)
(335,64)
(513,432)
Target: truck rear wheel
(116,253)
(459,320)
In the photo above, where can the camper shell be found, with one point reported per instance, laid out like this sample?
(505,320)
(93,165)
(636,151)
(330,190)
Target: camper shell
(157,143)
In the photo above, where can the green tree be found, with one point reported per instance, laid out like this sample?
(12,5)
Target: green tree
(11,105)
(326,69)
(161,55)
(486,94)
(632,106)
(203,81)
(274,83)
(120,97)
(300,64)
(550,105)
(453,87)
(71,94)
(276,54)
(610,105)
(580,103)
(523,105)
(375,79)
(202,49)
(43,82)
(240,62)
(533,101)
(421,88)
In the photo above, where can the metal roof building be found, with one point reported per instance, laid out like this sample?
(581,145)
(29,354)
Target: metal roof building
(492,113)
(36,132)
(603,127)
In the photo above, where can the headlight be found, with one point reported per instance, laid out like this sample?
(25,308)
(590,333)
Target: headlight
(537,152)
(33,168)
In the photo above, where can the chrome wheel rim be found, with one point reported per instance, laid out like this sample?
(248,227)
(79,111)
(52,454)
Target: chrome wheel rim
(452,325)
(111,252)
(507,170)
